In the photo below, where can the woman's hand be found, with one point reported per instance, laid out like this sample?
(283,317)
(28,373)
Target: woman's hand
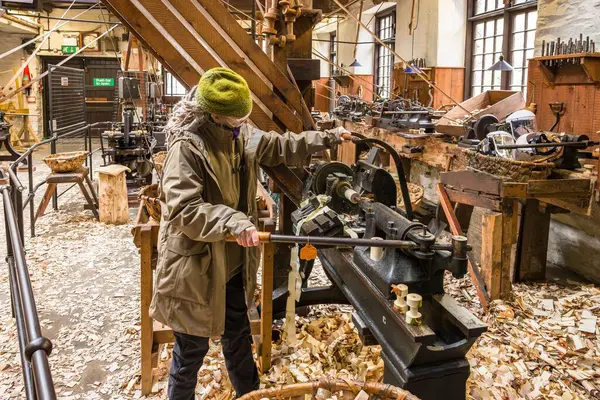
(248,238)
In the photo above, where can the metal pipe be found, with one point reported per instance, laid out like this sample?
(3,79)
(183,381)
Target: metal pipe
(66,19)
(21,332)
(266,237)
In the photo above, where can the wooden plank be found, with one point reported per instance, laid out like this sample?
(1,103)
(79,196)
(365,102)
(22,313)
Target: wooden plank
(473,180)
(161,333)
(266,301)
(491,253)
(474,199)
(559,187)
(347,152)
(196,29)
(146,331)
(476,278)
(255,54)
(532,251)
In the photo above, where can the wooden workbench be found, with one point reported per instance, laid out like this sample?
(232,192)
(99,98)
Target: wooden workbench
(512,239)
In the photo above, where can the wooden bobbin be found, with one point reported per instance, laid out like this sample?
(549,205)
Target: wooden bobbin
(401,291)
(413,316)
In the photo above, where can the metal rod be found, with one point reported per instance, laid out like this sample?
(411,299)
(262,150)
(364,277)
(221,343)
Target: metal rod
(266,237)
(584,144)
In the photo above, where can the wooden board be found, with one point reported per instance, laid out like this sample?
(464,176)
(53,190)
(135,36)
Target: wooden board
(451,80)
(491,252)
(533,248)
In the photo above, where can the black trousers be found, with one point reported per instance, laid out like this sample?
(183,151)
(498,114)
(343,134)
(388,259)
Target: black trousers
(189,351)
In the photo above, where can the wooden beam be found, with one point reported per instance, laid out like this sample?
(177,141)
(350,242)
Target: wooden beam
(254,53)
(510,220)
(474,274)
(266,301)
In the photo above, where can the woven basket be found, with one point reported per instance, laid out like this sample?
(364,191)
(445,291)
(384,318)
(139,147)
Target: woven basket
(66,162)
(516,171)
(149,195)
(349,389)
(159,160)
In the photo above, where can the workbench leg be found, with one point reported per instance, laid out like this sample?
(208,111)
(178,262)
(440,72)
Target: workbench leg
(510,223)
(45,200)
(532,251)
(88,199)
(92,191)
(146,331)
(266,310)
(491,252)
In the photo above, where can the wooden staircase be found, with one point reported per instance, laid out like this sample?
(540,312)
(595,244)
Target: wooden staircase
(191,36)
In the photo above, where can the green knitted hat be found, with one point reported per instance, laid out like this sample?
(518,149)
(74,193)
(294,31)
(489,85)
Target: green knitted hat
(223,92)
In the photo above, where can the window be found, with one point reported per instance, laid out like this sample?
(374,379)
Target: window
(173,87)
(332,54)
(385,27)
(500,28)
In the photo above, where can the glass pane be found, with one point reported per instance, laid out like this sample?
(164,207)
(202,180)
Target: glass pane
(487,78)
(476,90)
(517,59)
(519,22)
(477,62)
(498,44)
(479,6)
(517,76)
(530,40)
(477,78)
(489,28)
(497,78)
(489,45)
(531,20)
(479,30)
(478,47)
(488,61)
(518,41)
(499,26)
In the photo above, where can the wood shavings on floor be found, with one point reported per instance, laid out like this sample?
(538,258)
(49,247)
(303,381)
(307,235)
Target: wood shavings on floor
(543,343)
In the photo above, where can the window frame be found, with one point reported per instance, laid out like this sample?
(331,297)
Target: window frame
(168,96)
(390,42)
(333,51)
(506,13)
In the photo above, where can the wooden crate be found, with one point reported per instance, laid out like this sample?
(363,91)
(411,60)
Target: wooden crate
(500,103)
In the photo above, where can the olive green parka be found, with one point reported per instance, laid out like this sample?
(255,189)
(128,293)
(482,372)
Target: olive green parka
(189,291)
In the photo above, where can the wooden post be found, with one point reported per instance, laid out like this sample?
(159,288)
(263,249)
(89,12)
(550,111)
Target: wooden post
(491,252)
(112,194)
(266,301)
(146,332)
(533,243)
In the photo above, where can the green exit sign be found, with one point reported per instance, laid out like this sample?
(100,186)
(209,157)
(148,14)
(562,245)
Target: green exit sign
(69,49)
(104,81)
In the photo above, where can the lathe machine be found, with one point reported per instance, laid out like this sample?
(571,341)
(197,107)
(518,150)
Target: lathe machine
(354,208)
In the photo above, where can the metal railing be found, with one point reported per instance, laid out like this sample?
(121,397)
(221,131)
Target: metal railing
(34,348)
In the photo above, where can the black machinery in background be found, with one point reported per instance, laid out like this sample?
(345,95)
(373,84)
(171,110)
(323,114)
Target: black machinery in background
(351,108)
(424,347)
(404,114)
(132,142)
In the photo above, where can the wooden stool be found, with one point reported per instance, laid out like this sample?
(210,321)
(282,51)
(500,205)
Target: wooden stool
(77,177)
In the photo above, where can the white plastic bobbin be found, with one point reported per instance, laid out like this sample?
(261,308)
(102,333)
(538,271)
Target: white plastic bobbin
(413,316)
(401,292)
(376,253)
